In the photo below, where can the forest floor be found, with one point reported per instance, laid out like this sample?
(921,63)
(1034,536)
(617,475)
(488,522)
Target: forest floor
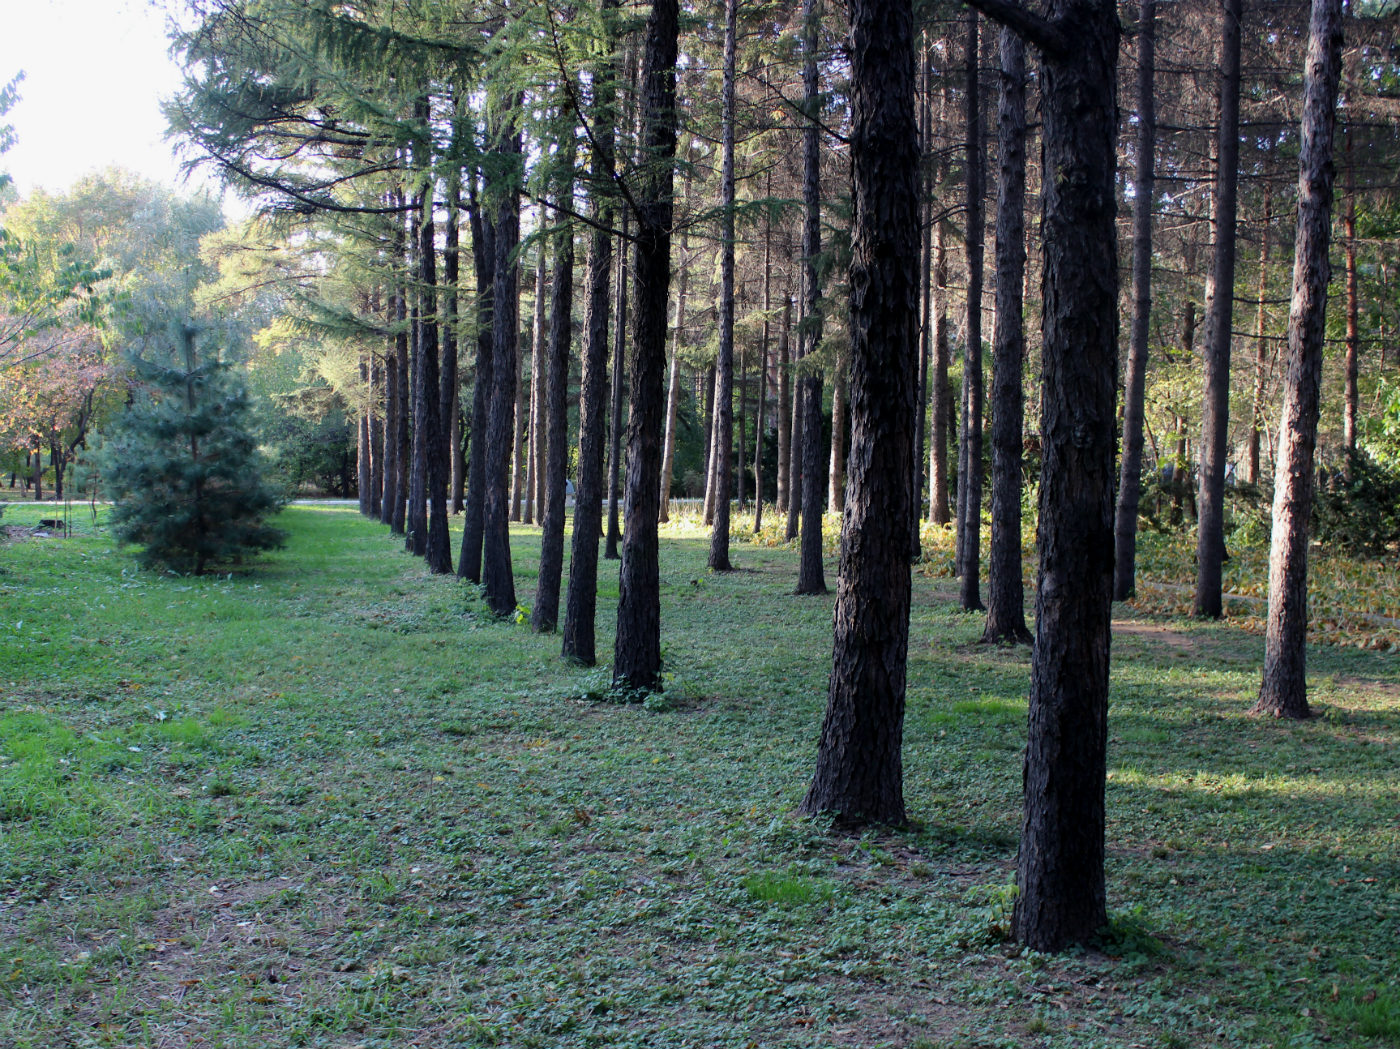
(327,800)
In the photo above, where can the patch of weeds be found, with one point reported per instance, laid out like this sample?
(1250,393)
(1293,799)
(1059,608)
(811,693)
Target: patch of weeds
(219,787)
(1371,1013)
(789,890)
(985,919)
(1129,936)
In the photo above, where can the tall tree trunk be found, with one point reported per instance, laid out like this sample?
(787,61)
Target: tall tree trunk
(391,419)
(1006,614)
(438,544)
(859,771)
(1351,398)
(555,409)
(416,522)
(637,649)
(970,445)
(1060,872)
(404,436)
(724,364)
(810,578)
(1261,343)
(450,393)
(497,573)
(1283,690)
(796,458)
(673,392)
(458,491)
(925,292)
(760,416)
(836,479)
(1135,386)
(580,608)
(362,452)
(673,404)
(712,428)
(740,494)
(484,265)
(38,470)
(939,512)
(376,437)
(784,408)
(1215,430)
(615,415)
(530,440)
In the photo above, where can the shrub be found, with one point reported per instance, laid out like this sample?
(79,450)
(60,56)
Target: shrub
(183,470)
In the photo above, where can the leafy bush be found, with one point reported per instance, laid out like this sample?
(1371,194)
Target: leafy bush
(1358,509)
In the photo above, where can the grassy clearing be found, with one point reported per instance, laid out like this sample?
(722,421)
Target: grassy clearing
(328,801)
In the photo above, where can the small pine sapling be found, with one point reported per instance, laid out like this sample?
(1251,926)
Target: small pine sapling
(183,470)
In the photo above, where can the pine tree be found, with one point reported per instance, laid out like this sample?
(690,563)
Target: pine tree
(183,470)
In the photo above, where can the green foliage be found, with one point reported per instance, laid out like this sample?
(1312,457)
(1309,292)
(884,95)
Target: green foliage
(1357,510)
(1381,428)
(183,471)
(789,890)
(310,447)
(1129,935)
(1372,1012)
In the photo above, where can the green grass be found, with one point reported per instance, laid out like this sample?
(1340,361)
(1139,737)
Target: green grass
(327,800)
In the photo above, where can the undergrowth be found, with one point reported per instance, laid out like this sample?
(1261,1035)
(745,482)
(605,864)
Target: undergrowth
(329,800)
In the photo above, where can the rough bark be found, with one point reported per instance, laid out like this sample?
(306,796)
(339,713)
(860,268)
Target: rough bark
(437,388)
(1261,344)
(450,391)
(859,771)
(742,384)
(362,452)
(795,434)
(376,436)
(637,649)
(939,511)
(724,364)
(484,264)
(970,445)
(555,411)
(416,520)
(836,473)
(1135,384)
(1060,872)
(391,422)
(527,500)
(673,391)
(711,468)
(615,413)
(1283,690)
(1210,524)
(580,608)
(1006,614)
(1351,396)
(497,573)
(810,577)
(784,407)
(403,437)
(760,417)
(925,295)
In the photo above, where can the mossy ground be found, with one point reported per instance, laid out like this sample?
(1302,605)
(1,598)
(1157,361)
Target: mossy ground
(329,801)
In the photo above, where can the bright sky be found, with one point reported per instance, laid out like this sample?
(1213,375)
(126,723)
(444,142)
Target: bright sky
(95,74)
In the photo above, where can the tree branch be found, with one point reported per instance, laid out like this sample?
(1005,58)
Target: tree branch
(1033,28)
